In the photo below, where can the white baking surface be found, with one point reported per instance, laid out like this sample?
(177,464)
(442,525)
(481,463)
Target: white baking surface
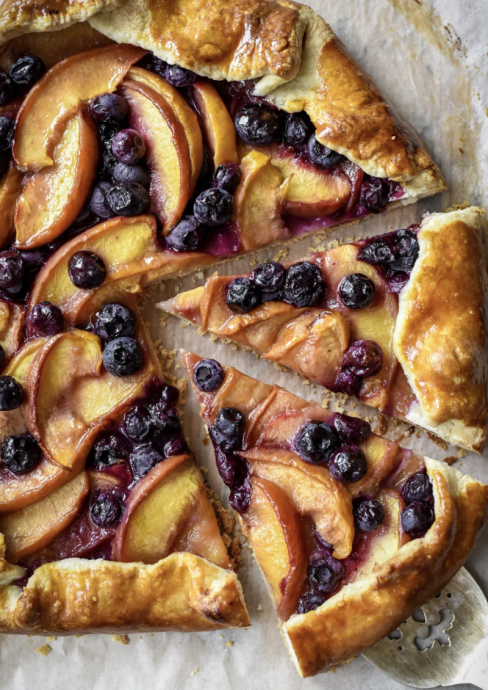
(431,59)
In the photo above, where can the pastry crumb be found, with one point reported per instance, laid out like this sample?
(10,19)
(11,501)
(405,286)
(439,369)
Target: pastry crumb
(381,427)
(221,636)
(199,275)
(50,638)
(123,639)
(194,672)
(260,607)
(438,441)
(461,452)
(43,650)
(230,643)
(451,459)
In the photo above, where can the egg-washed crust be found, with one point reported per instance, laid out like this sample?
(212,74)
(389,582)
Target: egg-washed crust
(441,333)
(300,64)
(369,608)
(182,592)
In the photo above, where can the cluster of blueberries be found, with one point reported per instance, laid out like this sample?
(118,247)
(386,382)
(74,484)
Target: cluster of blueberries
(394,254)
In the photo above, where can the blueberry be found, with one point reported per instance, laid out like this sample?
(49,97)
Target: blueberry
(368,515)
(169,395)
(348,383)
(348,464)
(114,320)
(175,446)
(7,89)
(228,428)
(243,295)
(270,278)
(304,285)
(105,510)
(363,358)
(188,236)
(298,129)
(351,429)
(153,64)
(179,76)
(417,488)
(7,129)
(130,173)
(26,70)
(86,270)
(377,252)
(227,176)
(11,268)
(258,124)
(316,442)
(33,259)
(45,319)
(241,492)
(406,249)
(324,574)
(128,199)
(20,453)
(164,420)
(227,462)
(11,394)
(128,146)
(106,166)
(122,357)
(137,424)
(374,194)
(321,155)
(108,132)
(98,201)
(310,602)
(357,291)
(208,375)
(213,207)
(107,451)
(109,107)
(143,459)
(417,518)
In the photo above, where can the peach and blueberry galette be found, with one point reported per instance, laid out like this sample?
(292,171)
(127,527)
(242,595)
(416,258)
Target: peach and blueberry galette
(351,531)
(397,320)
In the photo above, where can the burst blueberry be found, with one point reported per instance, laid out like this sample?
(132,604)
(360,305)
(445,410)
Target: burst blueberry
(227,176)
(322,155)
(105,510)
(315,442)
(7,129)
(310,602)
(208,375)
(11,268)
(417,518)
(128,199)
(130,173)
(368,514)
(98,201)
(304,285)
(324,574)
(45,319)
(357,291)
(374,194)
(363,358)
(20,453)
(179,76)
(213,207)
(175,446)
(11,394)
(169,396)
(348,464)
(107,451)
(243,295)
(122,357)
(137,424)
(188,236)
(86,270)
(417,488)
(26,70)
(298,129)
(143,459)
(165,420)
(351,429)
(241,492)
(114,320)
(228,428)
(258,124)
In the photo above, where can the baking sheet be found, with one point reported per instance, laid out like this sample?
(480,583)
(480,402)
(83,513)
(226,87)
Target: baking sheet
(431,58)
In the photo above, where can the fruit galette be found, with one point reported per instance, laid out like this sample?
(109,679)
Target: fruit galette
(397,320)
(351,531)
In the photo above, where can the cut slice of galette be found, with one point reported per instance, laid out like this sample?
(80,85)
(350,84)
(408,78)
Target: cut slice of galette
(351,531)
(397,320)
(105,522)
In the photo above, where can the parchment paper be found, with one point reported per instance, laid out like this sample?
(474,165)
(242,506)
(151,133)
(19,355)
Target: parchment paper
(431,59)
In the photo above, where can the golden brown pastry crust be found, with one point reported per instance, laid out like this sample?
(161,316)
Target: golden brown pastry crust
(440,338)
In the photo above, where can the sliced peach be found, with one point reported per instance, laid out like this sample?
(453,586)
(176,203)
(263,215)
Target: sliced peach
(34,527)
(59,94)
(157,510)
(313,344)
(167,151)
(73,397)
(383,457)
(11,328)
(258,202)
(276,536)
(10,190)
(54,196)
(19,492)
(182,111)
(219,130)
(312,490)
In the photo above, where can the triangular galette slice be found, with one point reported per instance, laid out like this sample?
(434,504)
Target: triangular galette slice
(351,531)
(397,320)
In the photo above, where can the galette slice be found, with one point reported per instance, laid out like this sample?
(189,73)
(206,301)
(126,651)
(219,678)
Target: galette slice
(396,320)
(105,521)
(351,531)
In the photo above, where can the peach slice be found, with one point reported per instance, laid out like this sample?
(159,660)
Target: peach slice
(59,94)
(182,111)
(19,492)
(54,196)
(313,344)
(383,457)
(34,527)
(167,151)
(312,490)
(219,130)
(275,532)
(157,509)
(73,397)
(10,190)
(258,202)
(11,328)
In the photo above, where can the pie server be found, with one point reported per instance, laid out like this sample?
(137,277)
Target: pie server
(443,643)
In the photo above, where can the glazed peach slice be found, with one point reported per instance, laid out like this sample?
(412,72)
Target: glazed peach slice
(42,118)
(53,197)
(11,328)
(273,527)
(73,397)
(31,529)
(10,190)
(219,130)
(158,512)
(182,111)
(167,151)
(258,202)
